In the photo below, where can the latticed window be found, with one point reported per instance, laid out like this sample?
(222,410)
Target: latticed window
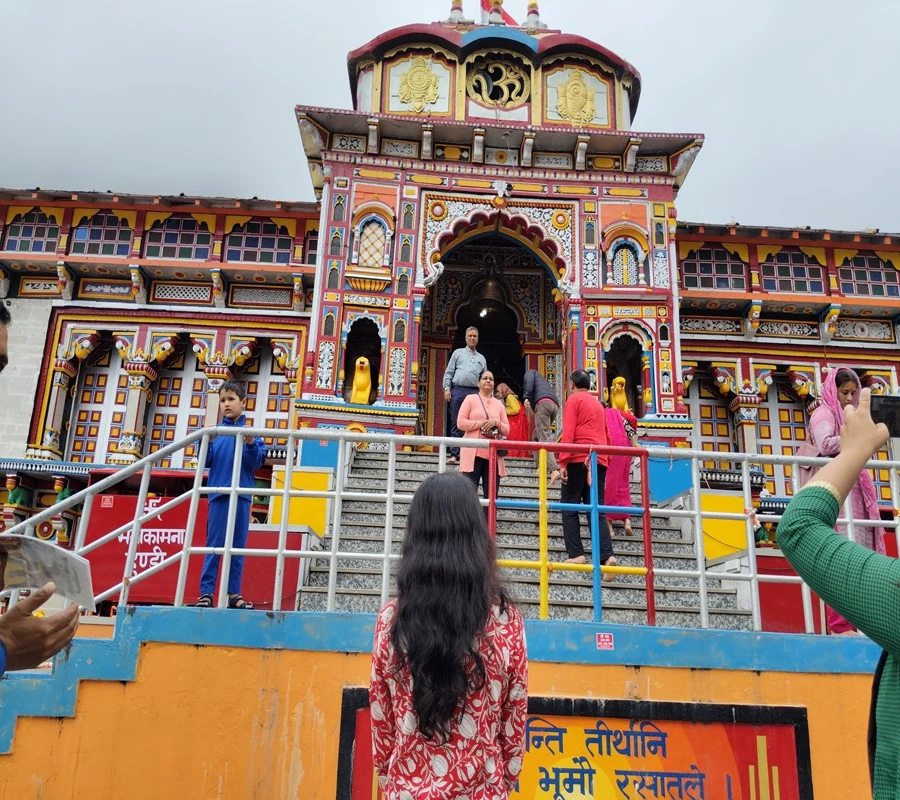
(99,413)
(372,242)
(103,235)
(179,237)
(792,271)
(869,276)
(179,408)
(714,268)
(624,266)
(261,242)
(712,421)
(782,429)
(269,398)
(33,232)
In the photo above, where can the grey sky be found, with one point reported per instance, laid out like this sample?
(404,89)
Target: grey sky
(797,98)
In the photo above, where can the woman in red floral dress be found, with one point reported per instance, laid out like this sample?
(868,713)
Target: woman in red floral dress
(449,684)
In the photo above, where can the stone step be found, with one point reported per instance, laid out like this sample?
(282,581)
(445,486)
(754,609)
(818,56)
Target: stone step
(367,574)
(509,531)
(361,601)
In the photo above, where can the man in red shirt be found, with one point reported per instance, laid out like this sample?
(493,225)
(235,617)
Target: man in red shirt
(584,422)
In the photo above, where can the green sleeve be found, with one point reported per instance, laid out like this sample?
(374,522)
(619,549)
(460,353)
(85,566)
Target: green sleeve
(861,585)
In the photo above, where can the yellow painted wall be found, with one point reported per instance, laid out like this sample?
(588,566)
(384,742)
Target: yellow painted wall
(723,537)
(312,511)
(218,722)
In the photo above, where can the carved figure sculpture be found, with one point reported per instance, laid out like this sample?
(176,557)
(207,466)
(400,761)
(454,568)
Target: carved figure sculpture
(617,397)
(362,382)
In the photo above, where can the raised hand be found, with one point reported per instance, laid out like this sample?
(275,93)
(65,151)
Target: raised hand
(859,432)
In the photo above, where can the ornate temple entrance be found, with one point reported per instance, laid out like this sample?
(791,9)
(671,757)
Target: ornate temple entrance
(498,286)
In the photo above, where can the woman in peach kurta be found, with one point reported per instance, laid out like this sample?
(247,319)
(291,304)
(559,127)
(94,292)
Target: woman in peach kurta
(479,414)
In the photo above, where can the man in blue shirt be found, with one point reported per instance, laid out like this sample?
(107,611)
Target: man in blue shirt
(460,380)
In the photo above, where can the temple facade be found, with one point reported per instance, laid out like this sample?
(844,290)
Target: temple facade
(487,175)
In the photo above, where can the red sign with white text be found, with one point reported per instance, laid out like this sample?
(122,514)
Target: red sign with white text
(163,536)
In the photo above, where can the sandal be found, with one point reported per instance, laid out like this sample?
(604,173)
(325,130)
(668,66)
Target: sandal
(236,601)
(204,601)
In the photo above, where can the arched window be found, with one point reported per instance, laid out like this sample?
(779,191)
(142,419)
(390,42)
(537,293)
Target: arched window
(624,266)
(590,232)
(104,234)
(869,276)
(372,241)
(664,333)
(713,268)
(179,237)
(406,249)
(408,220)
(334,278)
(335,245)
(403,284)
(590,333)
(328,326)
(399,331)
(259,241)
(33,232)
(337,212)
(792,271)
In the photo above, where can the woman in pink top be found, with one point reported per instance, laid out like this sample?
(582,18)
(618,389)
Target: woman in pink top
(449,685)
(479,414)
(840,389)
(618,474)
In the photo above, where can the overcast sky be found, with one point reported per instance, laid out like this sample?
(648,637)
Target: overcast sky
(797,98)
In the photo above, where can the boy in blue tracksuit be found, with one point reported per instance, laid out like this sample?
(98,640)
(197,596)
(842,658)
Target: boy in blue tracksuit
(220,463)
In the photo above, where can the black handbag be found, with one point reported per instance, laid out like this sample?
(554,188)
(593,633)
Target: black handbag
(495,432)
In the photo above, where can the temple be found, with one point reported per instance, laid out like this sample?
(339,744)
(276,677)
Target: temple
(486,175)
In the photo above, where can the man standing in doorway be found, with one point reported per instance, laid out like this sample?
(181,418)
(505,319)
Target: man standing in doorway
(538,395)
(584,422)
(460,380)
(26,640)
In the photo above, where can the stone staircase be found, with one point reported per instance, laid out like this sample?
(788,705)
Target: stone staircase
(624,601)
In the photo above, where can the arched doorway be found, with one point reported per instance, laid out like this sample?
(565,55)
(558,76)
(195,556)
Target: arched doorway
(495,284)
(624,360)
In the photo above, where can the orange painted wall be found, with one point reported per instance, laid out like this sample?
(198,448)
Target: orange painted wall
(220,722)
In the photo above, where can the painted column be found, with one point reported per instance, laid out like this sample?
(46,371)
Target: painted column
(647,381)
(48,444)
(130,446)
(50,447)
(745,407)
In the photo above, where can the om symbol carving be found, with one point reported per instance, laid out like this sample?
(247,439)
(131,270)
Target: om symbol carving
(497,83)
(419,85)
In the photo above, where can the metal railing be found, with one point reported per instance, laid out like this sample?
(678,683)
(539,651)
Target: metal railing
(347,443)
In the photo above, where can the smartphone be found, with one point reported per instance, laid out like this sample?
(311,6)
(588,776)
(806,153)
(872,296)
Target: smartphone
(886,409)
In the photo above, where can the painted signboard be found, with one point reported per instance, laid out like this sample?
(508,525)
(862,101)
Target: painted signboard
(634,750)
(163,536)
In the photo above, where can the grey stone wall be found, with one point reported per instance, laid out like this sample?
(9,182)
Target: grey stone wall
(18,383)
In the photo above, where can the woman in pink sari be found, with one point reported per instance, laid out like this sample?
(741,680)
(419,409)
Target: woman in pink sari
(618,474)
(841,388)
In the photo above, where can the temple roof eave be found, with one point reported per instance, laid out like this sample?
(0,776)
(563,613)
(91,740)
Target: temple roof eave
(110,199)
(497,134)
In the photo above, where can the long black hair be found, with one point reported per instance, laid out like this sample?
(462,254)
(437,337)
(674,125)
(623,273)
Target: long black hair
(447,582)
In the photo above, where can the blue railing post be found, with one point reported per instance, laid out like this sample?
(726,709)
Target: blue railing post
(595,541)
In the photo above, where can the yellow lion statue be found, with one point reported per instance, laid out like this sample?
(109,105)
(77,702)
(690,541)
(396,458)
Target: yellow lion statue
(362,382)
(617,397)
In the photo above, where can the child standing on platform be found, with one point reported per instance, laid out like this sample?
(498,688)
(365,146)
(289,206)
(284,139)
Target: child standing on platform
(220,463)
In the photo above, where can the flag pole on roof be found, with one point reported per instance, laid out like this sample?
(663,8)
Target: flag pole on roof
(492,13)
